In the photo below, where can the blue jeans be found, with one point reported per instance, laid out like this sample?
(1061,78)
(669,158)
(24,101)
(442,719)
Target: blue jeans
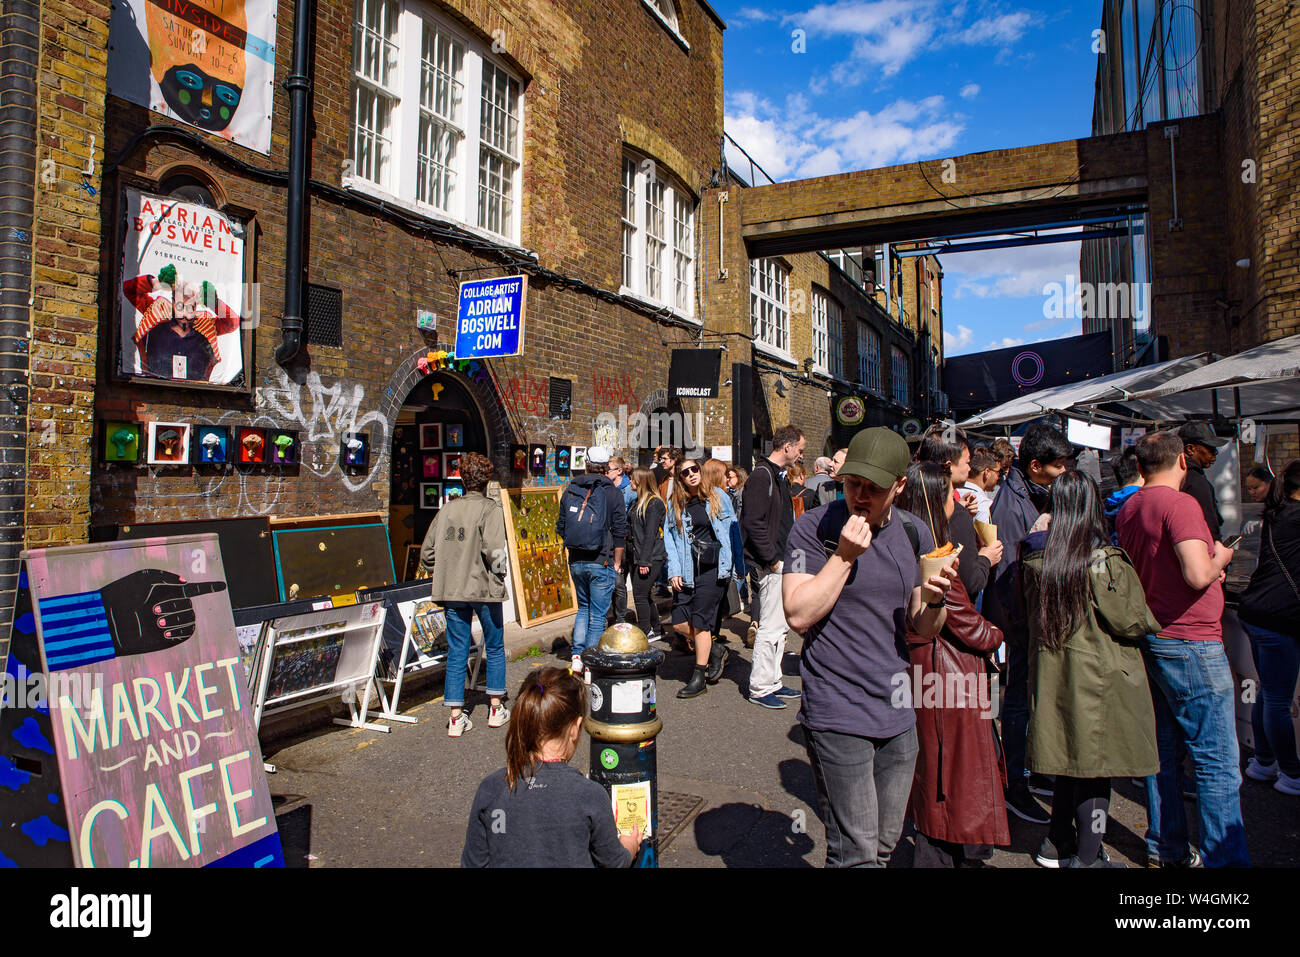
(1193,694)
(1277,661)
(460,621)
(863,785)
(594,584)
(1015,711)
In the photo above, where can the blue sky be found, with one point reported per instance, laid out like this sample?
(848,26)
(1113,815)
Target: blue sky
(885,82)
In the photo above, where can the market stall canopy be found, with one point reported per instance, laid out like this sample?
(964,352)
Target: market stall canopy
(1103,389)
(1259,382)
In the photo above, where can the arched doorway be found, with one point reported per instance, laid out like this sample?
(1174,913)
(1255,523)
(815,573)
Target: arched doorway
(437,422)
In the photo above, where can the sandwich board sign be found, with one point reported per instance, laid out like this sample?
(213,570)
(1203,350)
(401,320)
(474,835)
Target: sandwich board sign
(140,749)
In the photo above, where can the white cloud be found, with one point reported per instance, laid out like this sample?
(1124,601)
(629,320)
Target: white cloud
(1006,343)
(964,337)
(793,140)
(970,91)
(1015,272)
(888,34)
(749,15)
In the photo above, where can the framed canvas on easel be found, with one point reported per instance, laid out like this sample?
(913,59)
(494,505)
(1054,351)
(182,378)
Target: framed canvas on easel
(539,564)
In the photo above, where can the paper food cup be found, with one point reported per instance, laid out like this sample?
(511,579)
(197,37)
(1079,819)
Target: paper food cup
(932,566)
(988,533)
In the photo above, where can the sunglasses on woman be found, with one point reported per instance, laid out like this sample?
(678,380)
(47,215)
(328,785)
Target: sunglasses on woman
(689,470)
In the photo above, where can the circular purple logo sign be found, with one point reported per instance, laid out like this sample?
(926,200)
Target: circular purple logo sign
(1018,365)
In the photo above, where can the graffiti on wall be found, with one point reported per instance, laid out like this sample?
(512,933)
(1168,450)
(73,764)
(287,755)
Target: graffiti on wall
(613,392)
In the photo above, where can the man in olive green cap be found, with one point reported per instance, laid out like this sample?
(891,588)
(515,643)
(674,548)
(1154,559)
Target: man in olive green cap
(852,588)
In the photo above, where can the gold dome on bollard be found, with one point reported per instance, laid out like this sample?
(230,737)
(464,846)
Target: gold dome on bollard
(624,639)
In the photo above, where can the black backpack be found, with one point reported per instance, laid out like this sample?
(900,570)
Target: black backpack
(586,517)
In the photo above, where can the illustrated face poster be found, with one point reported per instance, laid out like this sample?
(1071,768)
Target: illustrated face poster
(182,292)
(156,748)
(539,563)
(207,63)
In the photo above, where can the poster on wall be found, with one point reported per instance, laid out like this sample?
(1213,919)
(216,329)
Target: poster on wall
(172,778)
(208,63)
(183,270)
(538,562)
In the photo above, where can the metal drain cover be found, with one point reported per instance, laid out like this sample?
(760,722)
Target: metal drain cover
(675,809)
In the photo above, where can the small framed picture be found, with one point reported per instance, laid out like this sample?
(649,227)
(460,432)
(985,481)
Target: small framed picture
(452,490)
(252,444)
(121,441)
(355,450)
(282,446)
(579,458)
(432,467)
(563,456)
(431,435)
(455,436)
(169,443)
(430,495)
(519,458)
(451,465)
(213,445)
(537,458)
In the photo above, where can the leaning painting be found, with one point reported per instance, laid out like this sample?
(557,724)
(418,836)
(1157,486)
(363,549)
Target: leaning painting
(538,561)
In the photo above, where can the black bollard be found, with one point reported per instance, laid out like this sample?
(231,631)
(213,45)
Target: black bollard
(623,722)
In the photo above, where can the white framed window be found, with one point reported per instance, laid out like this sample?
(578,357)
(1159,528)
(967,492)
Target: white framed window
(769,303)
(835,334)
(658,231)
(869,357)
(665,12)
(417,136)
(899,376)
(822,305)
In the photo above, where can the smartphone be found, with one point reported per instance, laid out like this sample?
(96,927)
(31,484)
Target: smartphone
(1232,542)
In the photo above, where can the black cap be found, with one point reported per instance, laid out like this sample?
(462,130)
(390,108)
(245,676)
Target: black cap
(1200,433)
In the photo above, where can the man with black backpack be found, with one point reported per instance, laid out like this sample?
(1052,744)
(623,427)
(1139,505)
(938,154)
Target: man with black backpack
(593,526)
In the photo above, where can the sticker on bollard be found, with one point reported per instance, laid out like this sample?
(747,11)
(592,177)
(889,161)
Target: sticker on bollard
(623,724)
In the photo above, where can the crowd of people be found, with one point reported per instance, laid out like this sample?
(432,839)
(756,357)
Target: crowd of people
(933,590)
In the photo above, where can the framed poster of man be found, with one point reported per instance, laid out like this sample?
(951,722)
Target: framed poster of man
(183,295)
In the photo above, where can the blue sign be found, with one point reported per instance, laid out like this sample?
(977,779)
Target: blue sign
(490,317)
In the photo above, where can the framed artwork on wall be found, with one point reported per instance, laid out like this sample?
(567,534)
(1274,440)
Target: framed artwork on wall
(213,445)
(451,465)
(430,495)
(579,458)
(432,468)
(519,458)
(354,450)
(452,490)
(563,458)
(537,458)
(431,435)
(282,447)
(252,445)
(120,441)
(169,443)
(455,436)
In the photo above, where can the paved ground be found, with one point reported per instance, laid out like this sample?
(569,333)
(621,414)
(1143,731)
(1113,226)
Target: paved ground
(735,786)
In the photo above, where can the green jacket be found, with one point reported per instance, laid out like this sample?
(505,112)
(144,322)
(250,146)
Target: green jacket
(466,549)
(1090,706)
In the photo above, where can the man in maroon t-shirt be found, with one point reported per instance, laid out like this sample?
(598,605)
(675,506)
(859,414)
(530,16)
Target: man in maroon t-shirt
(1181,569)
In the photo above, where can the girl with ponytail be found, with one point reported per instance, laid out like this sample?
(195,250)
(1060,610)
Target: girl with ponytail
(538,811)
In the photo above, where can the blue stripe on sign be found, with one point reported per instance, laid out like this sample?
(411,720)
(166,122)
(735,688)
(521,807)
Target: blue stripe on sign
(59,602)
(61,636)
(63,662)
(100,637)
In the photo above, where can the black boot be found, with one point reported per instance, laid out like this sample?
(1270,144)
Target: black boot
(717,660)
(696,686)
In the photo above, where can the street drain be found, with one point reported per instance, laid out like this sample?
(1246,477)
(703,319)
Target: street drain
(675,809)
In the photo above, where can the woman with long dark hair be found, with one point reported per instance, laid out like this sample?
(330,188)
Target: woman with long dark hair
(957,801)
(1091,717)
(697,537)
(1270,613)
(645,523)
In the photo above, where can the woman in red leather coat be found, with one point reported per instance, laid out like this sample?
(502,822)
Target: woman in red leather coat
(957,795)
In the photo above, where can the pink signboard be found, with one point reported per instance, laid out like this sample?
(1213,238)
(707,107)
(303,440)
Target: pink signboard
(158,758)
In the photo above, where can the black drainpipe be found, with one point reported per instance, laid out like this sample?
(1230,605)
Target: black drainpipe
(299,86)
(19,54)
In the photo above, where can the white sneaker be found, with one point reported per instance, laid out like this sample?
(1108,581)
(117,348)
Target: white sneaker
(1287,784)
(459,725)
(498,716)
(576,665)
(1258,771)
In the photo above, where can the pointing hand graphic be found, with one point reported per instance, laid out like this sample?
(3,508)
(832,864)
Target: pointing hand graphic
(151,609)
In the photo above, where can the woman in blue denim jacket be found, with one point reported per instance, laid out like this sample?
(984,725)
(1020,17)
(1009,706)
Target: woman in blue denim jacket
(697,536)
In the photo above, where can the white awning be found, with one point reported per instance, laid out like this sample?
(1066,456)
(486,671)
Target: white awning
(1116,387)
